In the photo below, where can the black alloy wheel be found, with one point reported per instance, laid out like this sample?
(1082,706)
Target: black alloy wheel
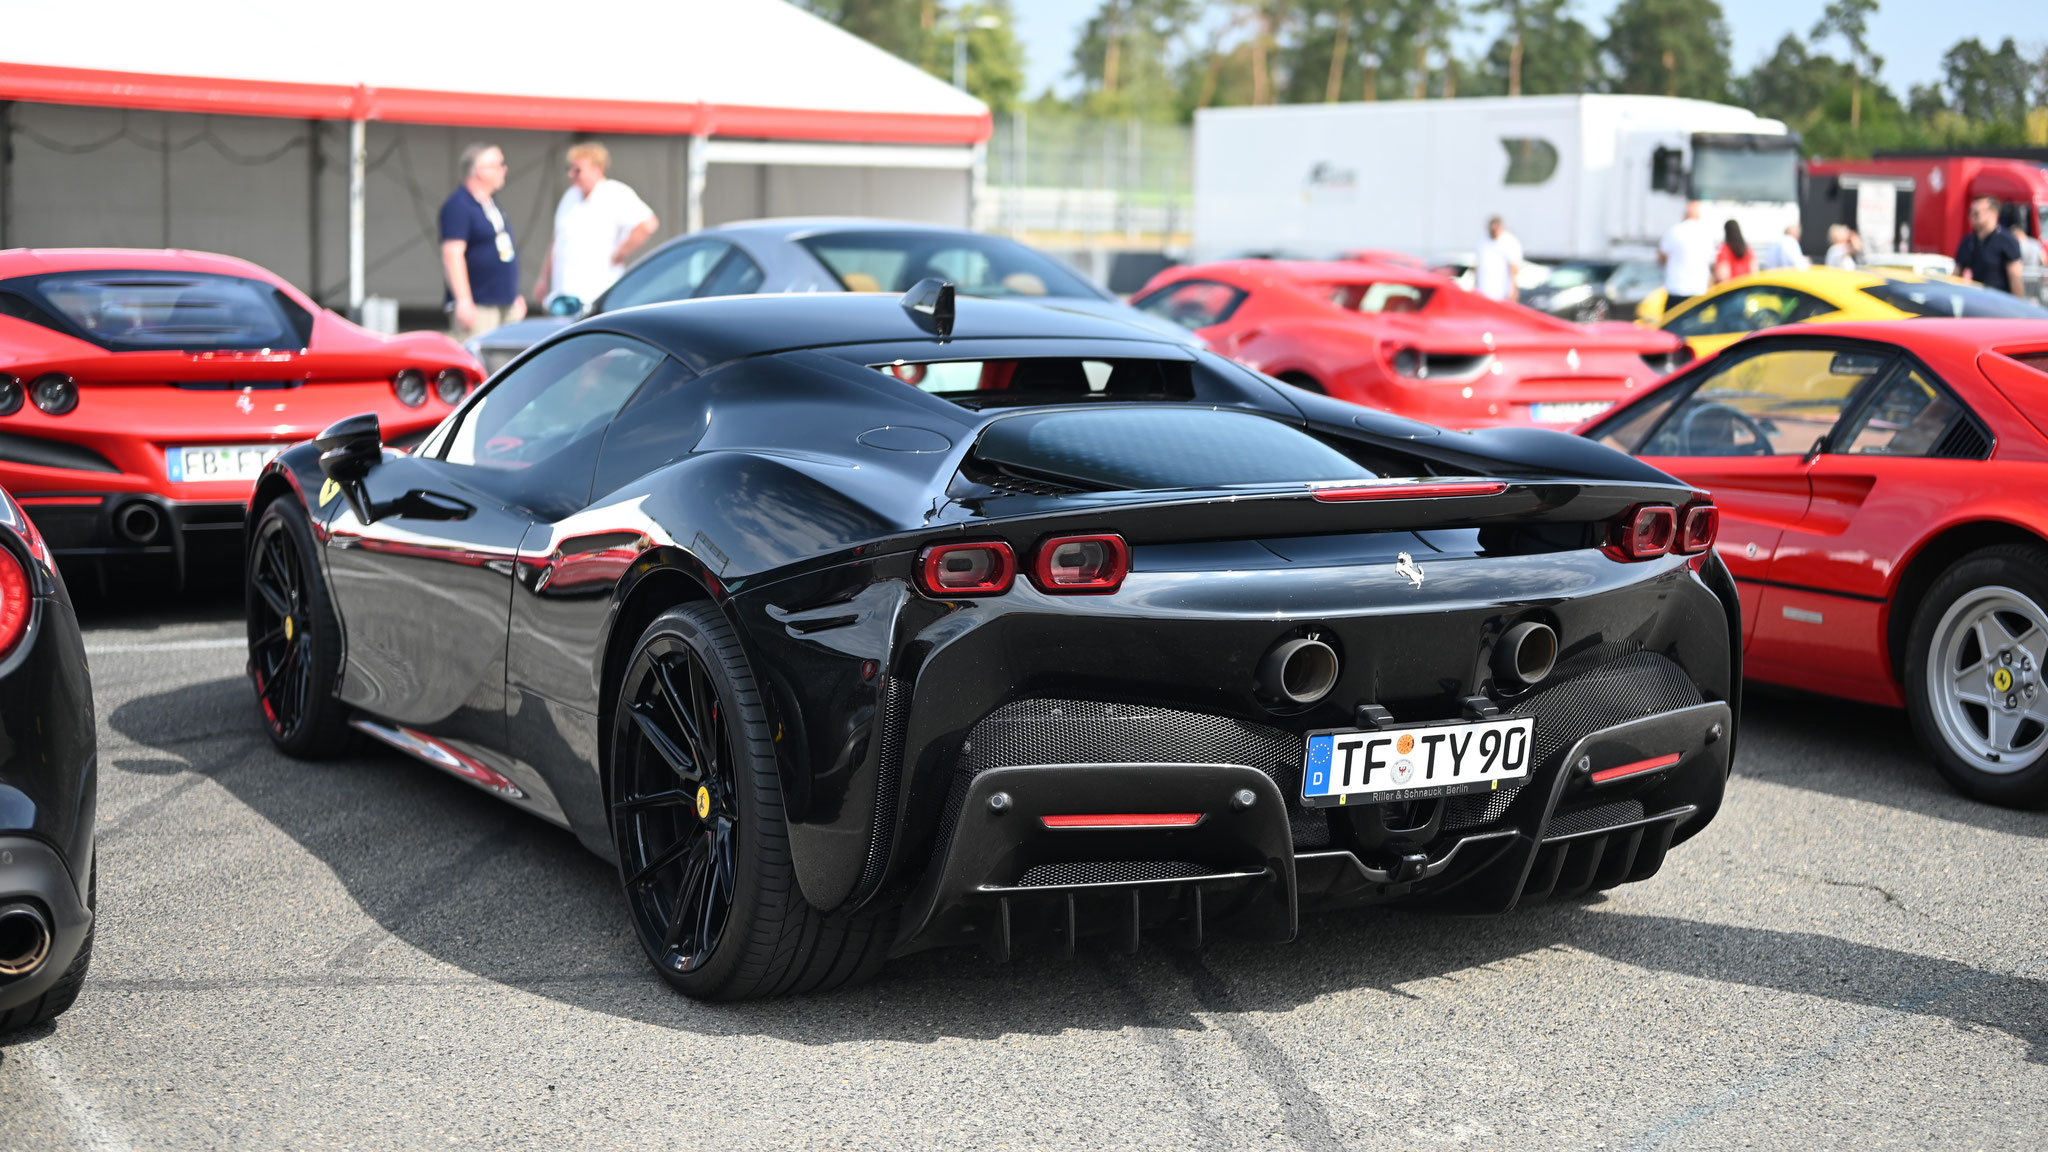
(675,813)
(697,820)
(294,641)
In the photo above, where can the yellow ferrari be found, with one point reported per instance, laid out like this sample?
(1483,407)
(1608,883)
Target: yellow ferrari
(1728,312)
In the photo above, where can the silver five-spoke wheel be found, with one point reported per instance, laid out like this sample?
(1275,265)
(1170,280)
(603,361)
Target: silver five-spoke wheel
(1986,686)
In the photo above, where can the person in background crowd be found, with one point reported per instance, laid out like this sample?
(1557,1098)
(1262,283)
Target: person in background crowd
(1500,263)
(1841,253)
(1687,254)
(1988,254)
(2031,255)
(1734,257)
(598,225)
(478,259)
(1784,252)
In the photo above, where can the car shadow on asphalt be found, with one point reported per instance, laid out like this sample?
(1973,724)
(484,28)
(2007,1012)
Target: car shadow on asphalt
(472,883)
(1861,752)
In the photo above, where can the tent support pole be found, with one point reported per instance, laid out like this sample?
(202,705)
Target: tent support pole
(693,184)
(977,188)
(6,170)
(358,166)
(314,287)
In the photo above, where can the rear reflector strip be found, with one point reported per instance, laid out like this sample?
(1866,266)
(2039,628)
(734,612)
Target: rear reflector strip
(1409,491)
(1125,820)
(1637,768)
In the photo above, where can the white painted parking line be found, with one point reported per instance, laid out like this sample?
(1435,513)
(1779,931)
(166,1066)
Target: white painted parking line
(94,1130)
(165,646)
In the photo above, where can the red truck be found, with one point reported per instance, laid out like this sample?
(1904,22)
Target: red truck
(1913,203)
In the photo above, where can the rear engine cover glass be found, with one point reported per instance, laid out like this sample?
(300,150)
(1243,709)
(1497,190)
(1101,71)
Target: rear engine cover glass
(1163,448)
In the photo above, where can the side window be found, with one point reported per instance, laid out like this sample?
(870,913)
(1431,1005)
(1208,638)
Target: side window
(1192,303)
(1626,434)
(1908,417)
(736,275)
(662,422)
(672,274)
(1747,310)
(552,402)
(1775,403)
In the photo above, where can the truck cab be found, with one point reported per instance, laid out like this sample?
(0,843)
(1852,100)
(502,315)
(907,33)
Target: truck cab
(1751,178)
(1905,204)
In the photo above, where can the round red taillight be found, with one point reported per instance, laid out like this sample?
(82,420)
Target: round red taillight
(15,601)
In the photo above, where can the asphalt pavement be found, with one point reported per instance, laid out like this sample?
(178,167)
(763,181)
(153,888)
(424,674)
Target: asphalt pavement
(368,954)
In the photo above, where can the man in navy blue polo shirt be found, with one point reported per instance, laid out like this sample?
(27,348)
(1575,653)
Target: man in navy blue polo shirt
(1988,254)
(477,256)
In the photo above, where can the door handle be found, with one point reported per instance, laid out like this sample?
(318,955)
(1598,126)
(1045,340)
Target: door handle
(420,504)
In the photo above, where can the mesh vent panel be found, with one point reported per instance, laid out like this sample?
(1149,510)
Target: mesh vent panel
(1109,872)
(1477,808)
(1595,818)
(1636,685)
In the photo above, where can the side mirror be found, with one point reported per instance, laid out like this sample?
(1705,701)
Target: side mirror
(349,448)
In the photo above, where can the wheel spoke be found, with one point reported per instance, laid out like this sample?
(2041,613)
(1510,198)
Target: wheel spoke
(667,799)
(276,599)
(686,718)
(2003,727)
(268,638)
(668,856)
(277,677)
(678,760)
(281,566)
(691,893)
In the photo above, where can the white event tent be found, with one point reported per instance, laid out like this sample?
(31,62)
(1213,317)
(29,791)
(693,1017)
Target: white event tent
(317,138)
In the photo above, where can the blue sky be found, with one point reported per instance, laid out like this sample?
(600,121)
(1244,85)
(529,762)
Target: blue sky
(1910,35)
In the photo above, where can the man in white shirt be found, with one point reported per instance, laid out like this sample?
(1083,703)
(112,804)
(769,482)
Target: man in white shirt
(598,225)
(1500,263)
(1687,254)
(1784,252)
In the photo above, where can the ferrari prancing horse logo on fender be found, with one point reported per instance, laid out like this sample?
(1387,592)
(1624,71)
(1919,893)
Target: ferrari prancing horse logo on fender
(328,492)
(1405,565)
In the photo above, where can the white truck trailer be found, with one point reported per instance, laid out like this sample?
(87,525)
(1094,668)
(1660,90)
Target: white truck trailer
(1586,176)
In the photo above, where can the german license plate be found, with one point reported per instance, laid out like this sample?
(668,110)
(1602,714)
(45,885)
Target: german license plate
(1350,766)
(218,462)
(1571,412)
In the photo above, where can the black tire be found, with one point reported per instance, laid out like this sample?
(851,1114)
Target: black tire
(698,825)
(1986,618)
(64,993)
(294,637)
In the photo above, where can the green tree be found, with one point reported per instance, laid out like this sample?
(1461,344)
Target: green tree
(995,59)
(1849,19)
(1668,48)
(1542,49)
(900,27)
(1793,84)
(1126,53)
(1988,86)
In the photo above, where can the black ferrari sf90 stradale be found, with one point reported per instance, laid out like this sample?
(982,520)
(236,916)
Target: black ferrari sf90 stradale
(850,626)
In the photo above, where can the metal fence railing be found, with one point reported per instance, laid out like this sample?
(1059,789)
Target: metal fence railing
(1070,182)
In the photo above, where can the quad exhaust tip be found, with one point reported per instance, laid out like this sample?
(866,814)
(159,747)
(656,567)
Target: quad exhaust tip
(1525,654)
(24,940)
(1299,671)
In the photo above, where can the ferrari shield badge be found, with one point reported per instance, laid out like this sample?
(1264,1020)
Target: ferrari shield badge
(328,491)
(1405,565)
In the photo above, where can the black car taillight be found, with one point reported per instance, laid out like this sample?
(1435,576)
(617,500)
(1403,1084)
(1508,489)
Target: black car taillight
(410,385)
(1696,532)
(1648,531)
(1068,564)
(54,393)
(949,570)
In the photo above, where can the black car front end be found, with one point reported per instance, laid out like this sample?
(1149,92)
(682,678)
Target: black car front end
(48,782)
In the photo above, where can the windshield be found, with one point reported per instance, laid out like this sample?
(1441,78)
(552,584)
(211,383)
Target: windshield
(128,311)
(1575,275)
(893,261)
(1723,173)
(1938,298)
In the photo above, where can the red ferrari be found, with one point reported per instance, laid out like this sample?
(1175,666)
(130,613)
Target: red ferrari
(142,391)
(1883,492)
(1410,341)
